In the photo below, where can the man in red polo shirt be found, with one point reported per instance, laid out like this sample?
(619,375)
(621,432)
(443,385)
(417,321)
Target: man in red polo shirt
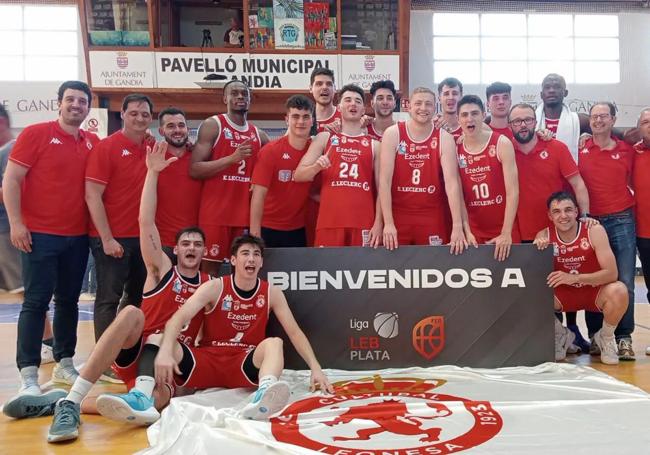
(179,195)
(641,185)
(43,191)
(499,100)
(544,167)
(224,157)
(278,202)
(605,163)
(114,178)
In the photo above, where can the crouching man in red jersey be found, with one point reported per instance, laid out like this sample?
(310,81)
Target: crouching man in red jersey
(234,350)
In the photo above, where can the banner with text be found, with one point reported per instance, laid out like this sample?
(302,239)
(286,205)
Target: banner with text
(122,69)
(363,70)
(363,308)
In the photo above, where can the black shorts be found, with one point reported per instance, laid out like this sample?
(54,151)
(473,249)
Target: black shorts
(274,238)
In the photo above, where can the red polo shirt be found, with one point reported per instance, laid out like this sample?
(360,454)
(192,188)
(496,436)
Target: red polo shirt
(641,185)
(607,174)
(119,164)
(53,195)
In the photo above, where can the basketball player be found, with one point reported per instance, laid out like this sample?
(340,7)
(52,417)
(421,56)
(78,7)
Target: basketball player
(278,203)
(450,90)
(126,343)
(417,162)
(383,99)
(584,276)
(224,156)
(349,213)
(322,88)
(234,350)
(488,174)
(499,101)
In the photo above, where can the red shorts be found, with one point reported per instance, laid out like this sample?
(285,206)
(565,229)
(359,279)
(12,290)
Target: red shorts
(218,367)
(431,235)
(572,298)
(128,373)
(218,240)
(342,237)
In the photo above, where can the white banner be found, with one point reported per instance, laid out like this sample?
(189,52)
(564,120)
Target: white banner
(548,409)
(97,122)
(122,69)
(363,70)
(30,102)
(260,71)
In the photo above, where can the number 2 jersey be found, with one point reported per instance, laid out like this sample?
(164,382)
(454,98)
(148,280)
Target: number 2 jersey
(225,200)
(235,321)
(347,197)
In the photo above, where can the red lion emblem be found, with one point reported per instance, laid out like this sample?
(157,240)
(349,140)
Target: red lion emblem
(392,416)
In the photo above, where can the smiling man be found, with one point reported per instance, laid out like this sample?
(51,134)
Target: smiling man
(382,100)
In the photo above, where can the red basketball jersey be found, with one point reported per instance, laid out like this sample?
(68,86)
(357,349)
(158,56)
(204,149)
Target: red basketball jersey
(484,189)
(577,256)
(347,198)
(225,199)
(235,321)
(329,120)
(160,305)
(372,132)
(418,188)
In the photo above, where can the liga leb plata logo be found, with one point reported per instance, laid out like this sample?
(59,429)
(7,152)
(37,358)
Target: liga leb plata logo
(429,336)
(379,415)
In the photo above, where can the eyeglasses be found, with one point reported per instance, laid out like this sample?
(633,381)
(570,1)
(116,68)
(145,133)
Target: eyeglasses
(521,121)
(600,116)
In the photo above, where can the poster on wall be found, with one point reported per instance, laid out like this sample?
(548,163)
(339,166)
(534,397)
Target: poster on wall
(97,122)
(121,69)
(288,9)
(289,33)
(316,24)
(265,17)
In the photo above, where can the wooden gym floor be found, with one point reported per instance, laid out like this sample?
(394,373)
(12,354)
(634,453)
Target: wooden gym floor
(101,436)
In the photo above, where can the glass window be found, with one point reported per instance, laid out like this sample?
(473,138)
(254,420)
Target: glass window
(369,24)
(117,22)
(523,48)
(13,42)
(51,68)
(51,43)
(11,68)
(40,18)
(11,17)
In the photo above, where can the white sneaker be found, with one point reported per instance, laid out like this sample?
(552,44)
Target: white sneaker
(563,340)
(608,348)
(47,354)
(64,372)
(87,296)
(267,401)
(647,350)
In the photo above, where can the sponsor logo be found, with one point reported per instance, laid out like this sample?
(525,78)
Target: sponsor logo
(122,60)
(89,146)
(584,244)
(237,338)
(214,250)
(369,63)
(125,152)
(386,324)
(260,302)
(365,142)
(434,143)
(616,156)
(462,161)
(289,33)
(435,240)
(227,133)
(584,151)
(56,141)
(428,336)
(177,287)
(284,175)
(396,415)
(286,156)
(492,151)
(401,148)
(334,140)
(543,155)
(226,303)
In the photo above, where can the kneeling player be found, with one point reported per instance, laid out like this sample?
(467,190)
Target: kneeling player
(234,350)
(585,275)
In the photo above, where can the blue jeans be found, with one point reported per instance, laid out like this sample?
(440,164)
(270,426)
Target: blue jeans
(54,267)
(90,277)
(621,232)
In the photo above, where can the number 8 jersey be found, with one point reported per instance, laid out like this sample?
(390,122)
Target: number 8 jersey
(348,191)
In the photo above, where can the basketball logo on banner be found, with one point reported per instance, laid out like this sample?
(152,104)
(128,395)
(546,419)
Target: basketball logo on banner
(375,416)
(429,336)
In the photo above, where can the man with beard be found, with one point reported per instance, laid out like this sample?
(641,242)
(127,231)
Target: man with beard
(129,343)
(224,156)
(383,99)
(499,100)
(349,213)
(450,90)
(179,195)
(543,168)
(417,162)
(43,191)
(321,87)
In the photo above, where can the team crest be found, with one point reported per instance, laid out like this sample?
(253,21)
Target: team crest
(543,155)
(344,140)
(434,143)
(237,136)
(177,287)
(284,175)
(377,416)
(365,142)
(429,336)
(492,151)
(584,244)
(260,302)
(226,303)
(227,133)
(214,250)
(89,146)
(334,140)
(616,156)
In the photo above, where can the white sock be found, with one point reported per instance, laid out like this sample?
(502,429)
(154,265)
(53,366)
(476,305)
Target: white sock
(145,384)
(607,330)
(266,381)
(79,390)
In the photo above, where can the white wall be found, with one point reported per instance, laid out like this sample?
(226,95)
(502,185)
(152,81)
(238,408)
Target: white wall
(630,95)
(192,34)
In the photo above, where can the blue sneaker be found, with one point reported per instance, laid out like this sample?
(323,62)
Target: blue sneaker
(65,425)
(133,407)
(26,405)
(267,401)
